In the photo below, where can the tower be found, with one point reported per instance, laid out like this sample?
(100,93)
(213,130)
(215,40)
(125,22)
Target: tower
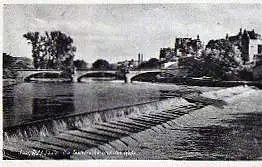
(139,58)
(245,46)
(240,32)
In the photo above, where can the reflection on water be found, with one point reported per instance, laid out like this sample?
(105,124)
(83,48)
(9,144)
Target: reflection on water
(91,79)
(46,107)
(8,104)
(31,101)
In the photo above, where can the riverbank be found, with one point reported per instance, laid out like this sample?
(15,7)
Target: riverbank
(208,82)
(229,132)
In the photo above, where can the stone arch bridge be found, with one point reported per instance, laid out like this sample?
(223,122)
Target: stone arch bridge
(22,75)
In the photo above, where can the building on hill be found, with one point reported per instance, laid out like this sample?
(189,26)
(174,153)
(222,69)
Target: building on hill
(167,57)
(249,43)
(167,54)
(257,69)
(188,46)
(184,47)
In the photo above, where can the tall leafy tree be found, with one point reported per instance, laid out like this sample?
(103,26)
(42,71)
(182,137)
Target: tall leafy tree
(52,50)
(34,40)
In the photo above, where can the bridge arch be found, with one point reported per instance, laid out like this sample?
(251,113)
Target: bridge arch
(43,74)
(25,74)
(149,76)
(99,74)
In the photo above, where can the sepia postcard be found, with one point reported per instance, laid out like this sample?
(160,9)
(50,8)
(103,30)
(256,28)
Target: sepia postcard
(132,81)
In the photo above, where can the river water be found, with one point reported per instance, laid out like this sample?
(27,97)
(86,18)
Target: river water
(26,102)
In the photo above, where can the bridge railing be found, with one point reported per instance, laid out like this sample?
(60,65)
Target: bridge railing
(36,70)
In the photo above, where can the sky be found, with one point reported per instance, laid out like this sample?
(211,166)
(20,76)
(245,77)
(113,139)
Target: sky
(119,32)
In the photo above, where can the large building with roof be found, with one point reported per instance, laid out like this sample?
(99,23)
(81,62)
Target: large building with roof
(249,43)
(184,47)
(188,46)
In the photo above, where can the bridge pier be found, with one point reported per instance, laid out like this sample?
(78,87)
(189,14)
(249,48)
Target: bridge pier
(75,78)
(128,78)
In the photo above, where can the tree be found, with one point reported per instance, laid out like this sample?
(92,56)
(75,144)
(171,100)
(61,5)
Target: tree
(34,39)
(217,61)
(221,60)
(7,60)
(101,64)
(52,50)
(150,64)
(153,62)
(80,64)
(16,62)
(7,66)
(10,63)
(22,63)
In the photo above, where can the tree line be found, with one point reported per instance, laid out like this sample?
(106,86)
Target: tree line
(55,50)
(220,60)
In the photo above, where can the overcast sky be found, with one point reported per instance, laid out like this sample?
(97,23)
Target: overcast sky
(119,32)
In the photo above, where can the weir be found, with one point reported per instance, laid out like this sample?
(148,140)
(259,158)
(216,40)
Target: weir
(86,130)
(51,126)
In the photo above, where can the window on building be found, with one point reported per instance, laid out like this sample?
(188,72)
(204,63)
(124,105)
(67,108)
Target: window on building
(259,49)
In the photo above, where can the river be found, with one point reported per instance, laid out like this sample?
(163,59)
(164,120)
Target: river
(32,101)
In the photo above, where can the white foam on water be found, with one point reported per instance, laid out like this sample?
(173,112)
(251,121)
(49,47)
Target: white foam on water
(44,131)
(240,99)
(173,103)
(228,93)
(59,125)
(84,121)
